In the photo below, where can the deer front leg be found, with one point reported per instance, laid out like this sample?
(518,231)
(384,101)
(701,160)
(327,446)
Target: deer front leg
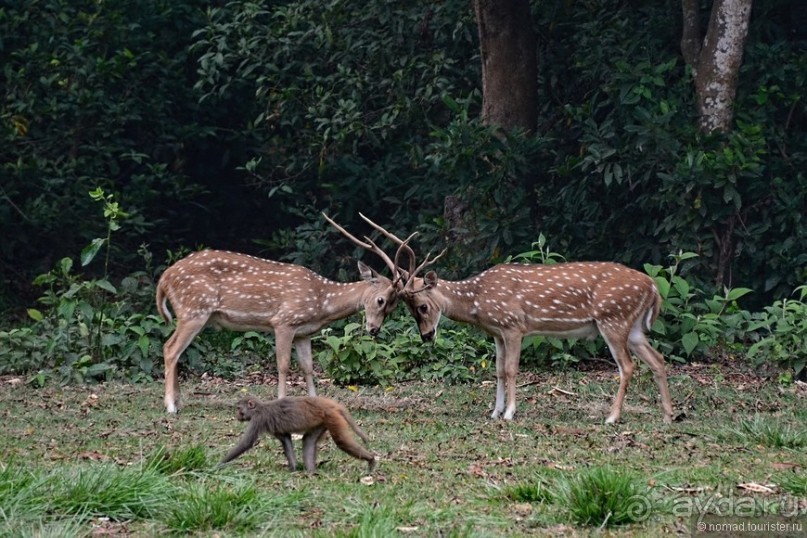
(283,341)
(500,358)
(303,347)
(512,353)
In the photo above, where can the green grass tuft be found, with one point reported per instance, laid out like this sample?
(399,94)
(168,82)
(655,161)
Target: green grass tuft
(535,491)
(237,508)
(373,522)
(605,497)
(70,528)
(771,433)
(21,492)
(193,458)
(795,484)
(109,491)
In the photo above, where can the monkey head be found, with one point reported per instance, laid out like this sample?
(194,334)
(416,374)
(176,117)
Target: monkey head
(246,408)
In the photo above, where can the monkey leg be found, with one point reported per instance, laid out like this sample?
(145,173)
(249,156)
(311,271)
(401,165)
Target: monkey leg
(310,440)
(288,449)
(247,441)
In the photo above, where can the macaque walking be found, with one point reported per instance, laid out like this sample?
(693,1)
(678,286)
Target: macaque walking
(309,415)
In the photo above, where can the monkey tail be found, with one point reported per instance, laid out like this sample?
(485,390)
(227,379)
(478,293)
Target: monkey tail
(344,440)
(353,425)
(162,300)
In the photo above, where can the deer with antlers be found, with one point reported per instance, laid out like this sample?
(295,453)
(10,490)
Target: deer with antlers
(242,293)
(568,300)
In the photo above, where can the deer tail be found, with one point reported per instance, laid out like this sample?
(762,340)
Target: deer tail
(162,300)
(653,309)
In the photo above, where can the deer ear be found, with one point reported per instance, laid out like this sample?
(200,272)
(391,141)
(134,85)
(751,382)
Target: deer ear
(430,280)
(367,273)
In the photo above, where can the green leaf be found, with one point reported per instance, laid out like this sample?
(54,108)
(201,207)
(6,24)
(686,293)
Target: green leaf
(690,342)
(106,285)
(66,264)
(736,293)
(143,344)
(89,252)
(681,286)
(663,286)
(35,314)
(685,256)
(652,270)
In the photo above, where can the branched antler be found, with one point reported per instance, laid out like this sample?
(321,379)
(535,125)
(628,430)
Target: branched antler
(369,245)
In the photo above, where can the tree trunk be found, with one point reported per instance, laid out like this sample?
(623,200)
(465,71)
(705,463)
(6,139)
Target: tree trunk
(715,59)
(509,64)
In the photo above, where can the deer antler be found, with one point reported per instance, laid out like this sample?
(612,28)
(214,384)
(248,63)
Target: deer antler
(369,245)
(403,246)
(389,235)
(427,262)
(413,271)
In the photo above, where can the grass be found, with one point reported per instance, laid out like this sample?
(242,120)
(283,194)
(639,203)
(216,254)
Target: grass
(772,433)
(83,461)
(605,496)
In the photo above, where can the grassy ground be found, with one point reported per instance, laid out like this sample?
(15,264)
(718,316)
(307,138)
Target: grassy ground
(106,460)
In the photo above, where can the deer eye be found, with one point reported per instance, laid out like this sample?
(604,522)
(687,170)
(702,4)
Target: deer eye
(423,308)
(380,301)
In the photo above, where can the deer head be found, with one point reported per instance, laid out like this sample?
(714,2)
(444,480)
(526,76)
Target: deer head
(379,300)
(386,299)
(420,294)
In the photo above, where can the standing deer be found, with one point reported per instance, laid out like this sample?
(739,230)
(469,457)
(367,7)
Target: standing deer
(568,300)
(242,293)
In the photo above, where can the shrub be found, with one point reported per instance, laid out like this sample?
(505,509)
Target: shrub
(780,334)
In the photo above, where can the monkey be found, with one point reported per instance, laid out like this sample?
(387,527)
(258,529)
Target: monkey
(309,415)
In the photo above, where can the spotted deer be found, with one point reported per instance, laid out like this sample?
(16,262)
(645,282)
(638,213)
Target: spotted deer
(568,300)
(243,293)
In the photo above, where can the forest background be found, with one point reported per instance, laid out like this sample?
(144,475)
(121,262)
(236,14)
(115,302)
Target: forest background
(234,124)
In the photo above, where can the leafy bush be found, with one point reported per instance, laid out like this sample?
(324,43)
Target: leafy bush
(354,357)
(458,354)
(781,334)
(693,325)
(97,94)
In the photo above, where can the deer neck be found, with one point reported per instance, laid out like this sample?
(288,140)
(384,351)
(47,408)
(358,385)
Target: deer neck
(456,300)
(339,300)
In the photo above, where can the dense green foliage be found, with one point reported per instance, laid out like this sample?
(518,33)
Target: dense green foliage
(234,125)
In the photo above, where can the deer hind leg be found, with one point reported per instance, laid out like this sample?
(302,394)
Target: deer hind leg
(618,346)
(641,347)
(498,409)
(310,440)
(184,333)
(283,342)
(303,347)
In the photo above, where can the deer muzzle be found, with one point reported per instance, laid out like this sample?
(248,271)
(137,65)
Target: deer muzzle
(429,336)
(374,331)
